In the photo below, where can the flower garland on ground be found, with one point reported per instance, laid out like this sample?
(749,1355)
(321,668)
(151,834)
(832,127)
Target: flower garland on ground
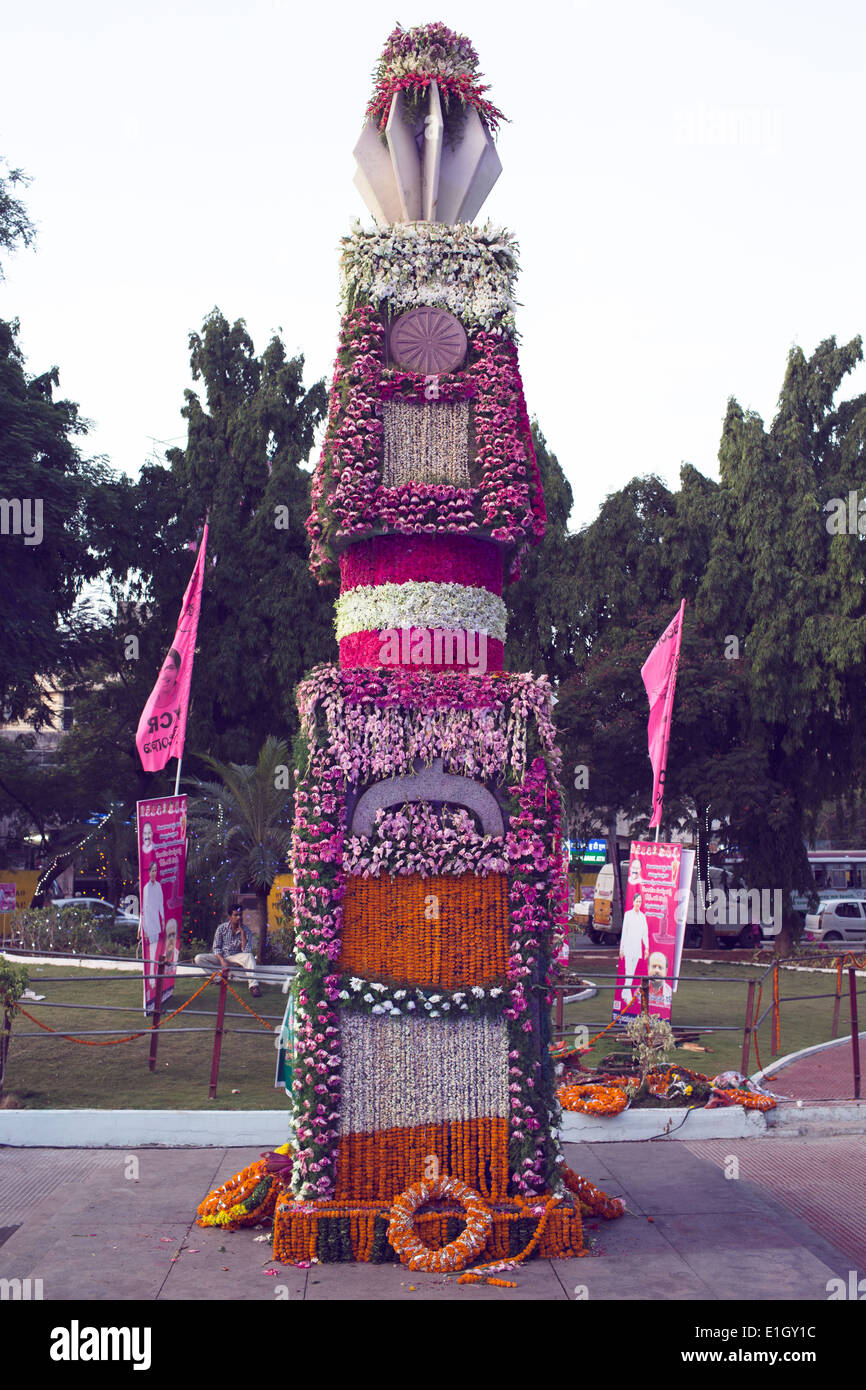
(412,58)
(247,1199)
(610,1097)
(457,1254)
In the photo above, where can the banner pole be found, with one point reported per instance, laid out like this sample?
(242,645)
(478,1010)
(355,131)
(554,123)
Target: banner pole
(177,778)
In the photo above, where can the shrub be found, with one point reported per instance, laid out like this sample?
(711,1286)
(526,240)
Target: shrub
(73,929)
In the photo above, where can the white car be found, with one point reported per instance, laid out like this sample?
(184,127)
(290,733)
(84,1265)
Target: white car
(99,907)
(837,919)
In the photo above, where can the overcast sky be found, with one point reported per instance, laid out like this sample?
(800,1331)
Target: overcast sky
(685,180)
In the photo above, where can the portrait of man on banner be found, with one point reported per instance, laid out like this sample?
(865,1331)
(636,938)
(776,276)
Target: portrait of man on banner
(162,865)
(653,927)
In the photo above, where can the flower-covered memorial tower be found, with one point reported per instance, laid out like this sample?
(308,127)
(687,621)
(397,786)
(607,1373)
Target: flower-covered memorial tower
(429,882)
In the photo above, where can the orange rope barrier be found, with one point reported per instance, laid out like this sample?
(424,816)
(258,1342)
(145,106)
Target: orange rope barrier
(112,1042)
(249,1010)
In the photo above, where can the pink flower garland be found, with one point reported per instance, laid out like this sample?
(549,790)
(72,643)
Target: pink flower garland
(365,649)
(348,498)
(403,559)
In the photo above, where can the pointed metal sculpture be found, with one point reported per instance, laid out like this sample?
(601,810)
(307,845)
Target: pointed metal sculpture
(413,175)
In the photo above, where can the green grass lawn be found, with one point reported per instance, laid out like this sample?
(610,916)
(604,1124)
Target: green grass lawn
(52,1073)
(704,998)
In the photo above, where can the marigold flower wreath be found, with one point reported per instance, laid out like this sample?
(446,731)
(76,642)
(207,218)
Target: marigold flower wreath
(470,1242)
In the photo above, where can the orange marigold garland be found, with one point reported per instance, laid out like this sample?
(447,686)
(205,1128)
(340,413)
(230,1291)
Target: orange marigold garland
(245,1200)
(591,1198)
(593,1100)
(471,1241)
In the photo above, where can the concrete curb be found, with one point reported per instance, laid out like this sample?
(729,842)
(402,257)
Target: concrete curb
(138,1129)
(723,1122)
(189,1129)
(816,1118)
(265,974)
(589,992)
(142,1129)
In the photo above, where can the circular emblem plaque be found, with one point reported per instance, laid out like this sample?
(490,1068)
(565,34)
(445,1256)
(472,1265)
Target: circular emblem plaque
(428,341)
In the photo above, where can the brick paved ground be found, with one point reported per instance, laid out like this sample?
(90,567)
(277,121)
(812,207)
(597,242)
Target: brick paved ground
(823,1181)
(827,1075)
(96,1226)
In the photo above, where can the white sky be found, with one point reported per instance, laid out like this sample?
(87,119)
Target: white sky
(686,182)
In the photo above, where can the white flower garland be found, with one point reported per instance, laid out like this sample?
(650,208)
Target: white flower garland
(420,603)
(373,997)
(425,443)
(469,271)
(401,1072)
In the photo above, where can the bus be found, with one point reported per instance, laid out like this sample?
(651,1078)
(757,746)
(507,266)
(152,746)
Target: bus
(838,873)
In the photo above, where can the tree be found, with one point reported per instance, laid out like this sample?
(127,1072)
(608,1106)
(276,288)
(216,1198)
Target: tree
(240,826)
(794,594)
(768,719)
(15,223)
(51,527)
(264,620)
(542,604)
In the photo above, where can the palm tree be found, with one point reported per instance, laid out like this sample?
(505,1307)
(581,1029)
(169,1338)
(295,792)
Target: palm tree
(240,826)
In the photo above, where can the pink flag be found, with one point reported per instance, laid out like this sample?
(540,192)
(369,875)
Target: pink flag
(162,726)
(659,673)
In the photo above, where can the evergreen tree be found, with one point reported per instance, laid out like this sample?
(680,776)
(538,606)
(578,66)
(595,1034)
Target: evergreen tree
(542,604)
(264,621)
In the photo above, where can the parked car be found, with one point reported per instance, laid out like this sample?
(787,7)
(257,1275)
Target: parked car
(100,908)
(837,919)
(732,931)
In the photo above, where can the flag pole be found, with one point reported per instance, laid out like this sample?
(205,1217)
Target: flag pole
(177,779)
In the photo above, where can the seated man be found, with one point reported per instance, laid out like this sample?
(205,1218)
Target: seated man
(232,946)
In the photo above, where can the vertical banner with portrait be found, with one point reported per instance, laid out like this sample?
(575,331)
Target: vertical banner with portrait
(161,868)
(653,926)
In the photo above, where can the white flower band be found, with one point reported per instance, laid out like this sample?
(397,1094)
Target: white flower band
(454,607)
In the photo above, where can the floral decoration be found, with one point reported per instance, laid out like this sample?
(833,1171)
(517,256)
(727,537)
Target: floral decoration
(397,559)
(360,725)
(436,649)
(349,498)
(375,997)
(456,1255)
(412,58)
(468,271)
(390,934)
(433,604)
(415,840)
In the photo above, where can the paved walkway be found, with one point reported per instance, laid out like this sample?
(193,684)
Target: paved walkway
(826,1075)
(108,1224)
(822,1180)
